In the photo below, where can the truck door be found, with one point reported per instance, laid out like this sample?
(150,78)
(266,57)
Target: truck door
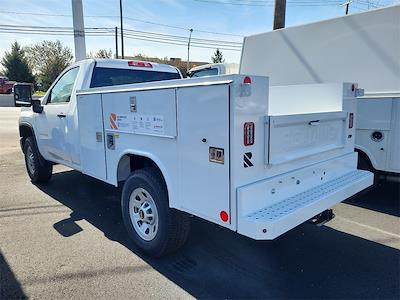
(51,124)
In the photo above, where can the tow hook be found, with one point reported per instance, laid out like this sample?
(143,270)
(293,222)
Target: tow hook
(322,218)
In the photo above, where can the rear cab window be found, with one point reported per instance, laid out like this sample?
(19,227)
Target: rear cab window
(204,72)
(117,76)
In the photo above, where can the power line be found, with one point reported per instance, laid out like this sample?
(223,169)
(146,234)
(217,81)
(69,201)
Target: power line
(132,34)
(128,18)
(271,3)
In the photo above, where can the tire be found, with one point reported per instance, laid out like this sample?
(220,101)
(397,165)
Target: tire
(145,206)
(39,169)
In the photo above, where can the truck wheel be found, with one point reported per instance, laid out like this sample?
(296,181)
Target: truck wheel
(39,169)
(152,225)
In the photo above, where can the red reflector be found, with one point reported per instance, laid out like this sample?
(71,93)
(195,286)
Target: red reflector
(248,133)
(142,64)
(224,216)
(353,87)
(247,80)
(351,120)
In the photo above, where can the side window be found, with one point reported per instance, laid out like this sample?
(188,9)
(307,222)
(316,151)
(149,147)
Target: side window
(62,90)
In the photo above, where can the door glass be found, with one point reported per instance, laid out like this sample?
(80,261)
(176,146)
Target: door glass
(62,90)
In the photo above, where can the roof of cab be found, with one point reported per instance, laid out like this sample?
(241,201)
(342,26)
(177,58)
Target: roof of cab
(124,64)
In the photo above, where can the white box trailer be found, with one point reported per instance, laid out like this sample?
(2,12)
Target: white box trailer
(225,154)
(362,48)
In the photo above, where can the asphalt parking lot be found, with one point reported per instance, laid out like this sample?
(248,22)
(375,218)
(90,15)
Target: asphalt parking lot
(66,240)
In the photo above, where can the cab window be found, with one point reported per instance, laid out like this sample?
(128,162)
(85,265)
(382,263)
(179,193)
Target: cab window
(62,90)
(204,72)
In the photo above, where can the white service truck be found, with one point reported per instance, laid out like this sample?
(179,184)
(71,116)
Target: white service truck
(222,148)
(361,47)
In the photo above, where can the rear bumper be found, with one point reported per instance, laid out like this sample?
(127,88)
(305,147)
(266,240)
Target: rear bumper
(271,221)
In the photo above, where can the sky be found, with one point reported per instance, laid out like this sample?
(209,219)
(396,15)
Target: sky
(236,18)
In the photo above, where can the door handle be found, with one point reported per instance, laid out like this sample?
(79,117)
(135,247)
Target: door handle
(313,123)
(61,115)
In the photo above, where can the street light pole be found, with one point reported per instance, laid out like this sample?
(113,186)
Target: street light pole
(190,37)
(122,30)
(279,14)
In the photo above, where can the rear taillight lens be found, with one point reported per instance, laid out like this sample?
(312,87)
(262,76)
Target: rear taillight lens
(248,132)
(351,120)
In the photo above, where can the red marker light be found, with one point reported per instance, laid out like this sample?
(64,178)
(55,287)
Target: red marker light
(224,216)
(142,64)
(353,87)
(247,80)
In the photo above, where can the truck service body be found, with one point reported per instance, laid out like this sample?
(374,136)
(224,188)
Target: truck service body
(222,148)
(361,47)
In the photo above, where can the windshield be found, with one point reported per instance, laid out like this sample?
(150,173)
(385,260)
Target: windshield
(111,76)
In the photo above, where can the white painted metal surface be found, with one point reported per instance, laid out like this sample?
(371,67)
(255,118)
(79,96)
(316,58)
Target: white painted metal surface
(203,121)
(362,48)
(91,137)
(271,221)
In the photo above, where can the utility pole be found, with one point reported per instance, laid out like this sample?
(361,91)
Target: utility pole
(190,37)
(79,30)
(347,6)
(279,14)
(122,30)
(116,42)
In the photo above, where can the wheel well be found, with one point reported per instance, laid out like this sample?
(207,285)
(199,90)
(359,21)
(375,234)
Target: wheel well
(131,162)
(25,131)
(362,156)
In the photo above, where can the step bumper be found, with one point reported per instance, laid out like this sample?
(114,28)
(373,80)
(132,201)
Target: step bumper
(271,221)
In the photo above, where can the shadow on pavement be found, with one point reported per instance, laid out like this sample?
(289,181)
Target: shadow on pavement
(307,262)
(10,288)
(384,198)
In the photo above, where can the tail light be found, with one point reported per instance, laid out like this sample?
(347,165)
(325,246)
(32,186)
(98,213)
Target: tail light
(248,132)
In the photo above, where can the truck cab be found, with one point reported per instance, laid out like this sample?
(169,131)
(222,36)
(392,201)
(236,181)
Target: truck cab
(6,86)
(56,128)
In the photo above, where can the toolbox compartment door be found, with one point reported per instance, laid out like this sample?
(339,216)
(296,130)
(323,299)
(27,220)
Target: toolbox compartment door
(293,137)
(91,136)
(203,123)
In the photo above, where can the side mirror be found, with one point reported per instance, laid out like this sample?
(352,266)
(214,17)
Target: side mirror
(37,106)
(22,94)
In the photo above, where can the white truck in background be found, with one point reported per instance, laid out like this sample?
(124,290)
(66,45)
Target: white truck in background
(222,148)
(213,69)
(363,48)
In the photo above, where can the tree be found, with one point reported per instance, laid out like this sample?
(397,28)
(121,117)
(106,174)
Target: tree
(102,53)
(16,65)
(48,59)
(217,58)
